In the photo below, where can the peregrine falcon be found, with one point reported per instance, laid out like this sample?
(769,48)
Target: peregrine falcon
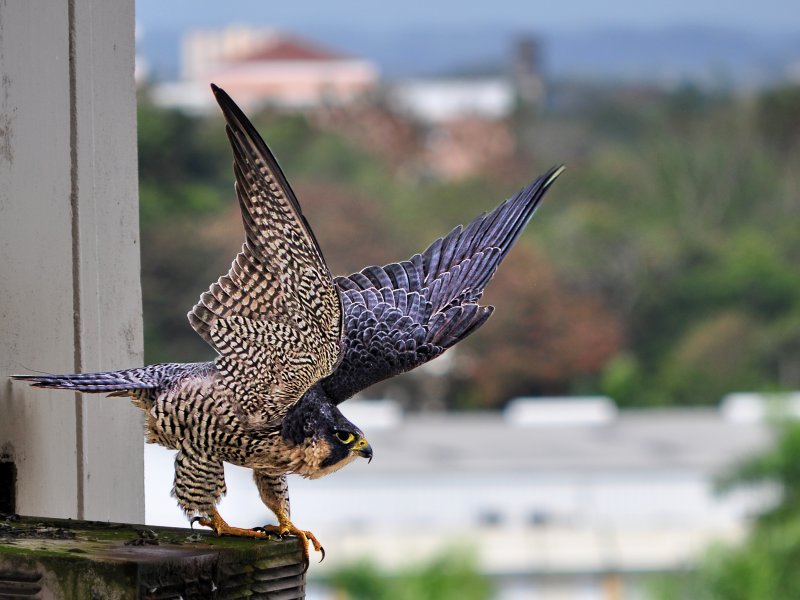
(293,341)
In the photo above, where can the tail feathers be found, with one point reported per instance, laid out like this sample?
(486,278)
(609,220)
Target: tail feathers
(115,381)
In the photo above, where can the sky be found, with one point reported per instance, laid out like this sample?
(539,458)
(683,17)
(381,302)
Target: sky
(779,16)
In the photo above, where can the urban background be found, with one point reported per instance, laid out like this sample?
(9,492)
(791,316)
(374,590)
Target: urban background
(614,431)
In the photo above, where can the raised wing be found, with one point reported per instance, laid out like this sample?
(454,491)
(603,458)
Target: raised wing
(276,317)
(401,315)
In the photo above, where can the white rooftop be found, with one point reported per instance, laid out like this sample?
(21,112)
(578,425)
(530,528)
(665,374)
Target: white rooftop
(435,100)
(753,407)
(590,435)
(556,411)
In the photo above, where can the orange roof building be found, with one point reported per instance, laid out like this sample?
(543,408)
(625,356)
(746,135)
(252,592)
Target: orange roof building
(267,67)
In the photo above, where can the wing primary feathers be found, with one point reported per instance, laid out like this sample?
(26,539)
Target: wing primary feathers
(500,228)
(437,292)
(240,127)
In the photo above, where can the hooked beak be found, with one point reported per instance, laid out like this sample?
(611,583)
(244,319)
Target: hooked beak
(366,452)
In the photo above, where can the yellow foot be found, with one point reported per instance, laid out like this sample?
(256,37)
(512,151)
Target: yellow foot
(305,536)
(220,527)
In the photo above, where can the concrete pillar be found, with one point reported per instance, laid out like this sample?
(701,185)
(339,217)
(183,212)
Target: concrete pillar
(70,296)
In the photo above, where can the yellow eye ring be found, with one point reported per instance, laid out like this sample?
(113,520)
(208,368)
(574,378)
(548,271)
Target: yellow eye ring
(345,438)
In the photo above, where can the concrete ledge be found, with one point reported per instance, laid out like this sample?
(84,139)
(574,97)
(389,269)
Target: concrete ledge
(65,559)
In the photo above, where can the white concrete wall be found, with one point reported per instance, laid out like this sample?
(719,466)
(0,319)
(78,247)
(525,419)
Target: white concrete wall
(70,297)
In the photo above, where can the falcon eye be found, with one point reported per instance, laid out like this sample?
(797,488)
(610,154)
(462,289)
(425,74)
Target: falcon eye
(344,437)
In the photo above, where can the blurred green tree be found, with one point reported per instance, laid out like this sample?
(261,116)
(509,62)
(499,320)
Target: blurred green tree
(451,576)
(764,565)
(779,117)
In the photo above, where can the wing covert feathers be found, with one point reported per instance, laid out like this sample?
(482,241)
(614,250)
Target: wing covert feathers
(278,300)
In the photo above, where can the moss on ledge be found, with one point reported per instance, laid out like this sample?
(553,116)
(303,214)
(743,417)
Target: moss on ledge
(63,558)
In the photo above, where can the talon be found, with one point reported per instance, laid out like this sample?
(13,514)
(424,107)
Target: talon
(305,537)
(220,527)
(198,519)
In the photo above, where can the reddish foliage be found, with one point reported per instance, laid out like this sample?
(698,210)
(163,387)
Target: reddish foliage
(542,334)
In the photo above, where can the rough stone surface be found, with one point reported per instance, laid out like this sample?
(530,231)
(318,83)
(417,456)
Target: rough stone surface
(66,560)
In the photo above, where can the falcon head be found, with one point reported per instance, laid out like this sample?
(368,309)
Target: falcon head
(346,442)
(327,439)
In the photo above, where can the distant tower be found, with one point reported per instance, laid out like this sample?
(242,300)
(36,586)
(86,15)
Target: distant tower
(526,71)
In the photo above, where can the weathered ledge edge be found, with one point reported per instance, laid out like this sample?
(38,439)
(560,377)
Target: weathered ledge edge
(66,559)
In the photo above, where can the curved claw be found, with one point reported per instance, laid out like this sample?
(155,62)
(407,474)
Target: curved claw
(304,536)
(220,527)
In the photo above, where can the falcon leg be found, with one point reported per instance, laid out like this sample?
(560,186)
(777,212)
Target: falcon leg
(274,492)
(199,482)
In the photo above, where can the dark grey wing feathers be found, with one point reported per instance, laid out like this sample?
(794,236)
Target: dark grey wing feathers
(499,229)
(404,314)
(456,323)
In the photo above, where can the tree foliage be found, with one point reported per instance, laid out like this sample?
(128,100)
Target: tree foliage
(451,576)
(660,269)
(764,566)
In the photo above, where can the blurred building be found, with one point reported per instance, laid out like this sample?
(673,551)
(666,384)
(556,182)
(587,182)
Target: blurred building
(559,499)
(435,100)
(265,67)
(446,128)
(468,118)
(465,123)
(444,99)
